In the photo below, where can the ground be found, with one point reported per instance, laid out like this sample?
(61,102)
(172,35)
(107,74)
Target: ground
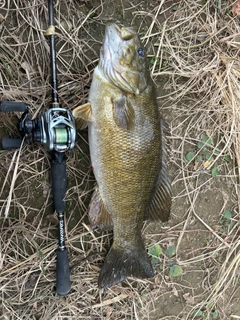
(193,50)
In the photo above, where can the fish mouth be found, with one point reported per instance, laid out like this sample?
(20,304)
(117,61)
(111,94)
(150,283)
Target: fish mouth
(125,33)
(115,37)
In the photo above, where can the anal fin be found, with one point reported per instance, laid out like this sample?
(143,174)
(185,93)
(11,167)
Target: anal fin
(98,214)
(160,205)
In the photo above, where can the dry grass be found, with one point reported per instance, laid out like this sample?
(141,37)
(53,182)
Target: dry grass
(197,72)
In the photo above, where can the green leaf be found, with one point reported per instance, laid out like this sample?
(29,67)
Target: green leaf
(214,172)
(164,64)
(144,293)
(205,151)
(43,269)
(216,152)
(80,155)
(228,11)
(155,250)
(227,214)
(171,251)
(207,140)
(175,8)
(92,15)
(200,144)
(190,155)
(208,156)
(153,59)
(232,223)
(199,159)
(175,271)
(198,313)
(155,259)
(171,263)
(209,305)
(215,314)
(227,158)
(40,254)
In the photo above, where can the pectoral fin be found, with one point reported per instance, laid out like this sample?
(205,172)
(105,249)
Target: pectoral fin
(82,114)
(98,214)
(160,205)
(123,112)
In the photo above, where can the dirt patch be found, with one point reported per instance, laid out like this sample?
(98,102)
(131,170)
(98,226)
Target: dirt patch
(193,51)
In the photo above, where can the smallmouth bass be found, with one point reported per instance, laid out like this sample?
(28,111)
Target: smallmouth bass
(128,151)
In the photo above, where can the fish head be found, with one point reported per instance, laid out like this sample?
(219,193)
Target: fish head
(123,59)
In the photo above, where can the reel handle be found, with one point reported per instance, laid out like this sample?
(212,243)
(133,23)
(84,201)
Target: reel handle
(11,143)
(10,106)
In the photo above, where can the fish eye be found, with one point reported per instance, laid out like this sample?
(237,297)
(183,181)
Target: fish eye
(140,52)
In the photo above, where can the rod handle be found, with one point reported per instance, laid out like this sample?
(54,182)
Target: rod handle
(12,106)
(63,272)
(59,181)
(11,143)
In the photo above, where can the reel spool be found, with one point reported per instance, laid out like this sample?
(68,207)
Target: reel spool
(56,130)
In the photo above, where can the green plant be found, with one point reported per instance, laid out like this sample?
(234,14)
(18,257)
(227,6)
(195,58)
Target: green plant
(226,222)
(155,252)
(205,153)
(153,59)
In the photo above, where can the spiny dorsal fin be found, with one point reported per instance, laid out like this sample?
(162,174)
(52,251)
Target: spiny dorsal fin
(160,205)
(82,114)
(98,214)
(123,112)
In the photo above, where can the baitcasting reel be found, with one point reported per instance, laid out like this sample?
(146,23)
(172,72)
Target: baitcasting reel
(54,129)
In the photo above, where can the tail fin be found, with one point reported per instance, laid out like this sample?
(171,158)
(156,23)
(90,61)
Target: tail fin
(122,263)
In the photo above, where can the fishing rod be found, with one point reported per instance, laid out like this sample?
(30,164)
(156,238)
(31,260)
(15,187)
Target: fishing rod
(55,130)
